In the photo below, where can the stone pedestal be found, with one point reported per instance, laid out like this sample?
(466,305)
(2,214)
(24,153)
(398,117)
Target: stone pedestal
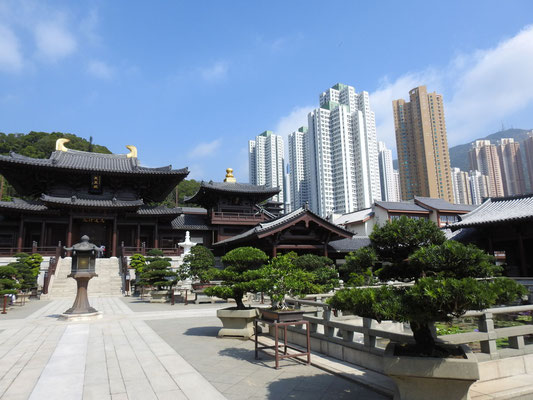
(81,309)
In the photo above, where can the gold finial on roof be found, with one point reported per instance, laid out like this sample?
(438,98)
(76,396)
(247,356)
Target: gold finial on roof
(229,176)
(60,144)
(133,151)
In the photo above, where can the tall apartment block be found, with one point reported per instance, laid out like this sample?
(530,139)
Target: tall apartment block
(528,152)
(479,187)
(389,188)
(484,158)
(462,193)
(265,156)
(342,158)
(422,146)
(298,171)
(511,167)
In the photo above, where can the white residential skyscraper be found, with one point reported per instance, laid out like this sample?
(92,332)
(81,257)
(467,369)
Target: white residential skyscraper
(342,153)
(389,188)
(479,186)
(265,156)
(297,164)
(462,192)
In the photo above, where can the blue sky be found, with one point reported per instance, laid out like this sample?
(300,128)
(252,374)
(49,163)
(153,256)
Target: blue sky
(189,83)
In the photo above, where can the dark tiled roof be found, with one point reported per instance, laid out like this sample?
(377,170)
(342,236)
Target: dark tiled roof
(158,210)
(231,187)
(401,206)
(190,222)
(350,244)
(284,219)
(23,205)
(91,202)
(498,210)
(443,205)
(92,162)
(193,210)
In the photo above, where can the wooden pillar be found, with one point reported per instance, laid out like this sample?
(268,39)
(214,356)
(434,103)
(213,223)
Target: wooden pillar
(114,240)
(138,244)
(274,250)
(156,234)
(43,232)
(69,231)
(523,264)
(20,235)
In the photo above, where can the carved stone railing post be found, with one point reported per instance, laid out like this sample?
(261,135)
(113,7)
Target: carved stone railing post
(486,324)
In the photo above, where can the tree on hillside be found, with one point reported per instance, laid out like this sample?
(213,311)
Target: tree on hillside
(186,188)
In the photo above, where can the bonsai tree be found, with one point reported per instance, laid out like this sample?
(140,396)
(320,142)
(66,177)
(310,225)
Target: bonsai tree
(358,270)
(138,262)
(8,282)
(198,264)
(445,287)
(156,272)
(281,278)
(239,274)
(324,275)
(27,269)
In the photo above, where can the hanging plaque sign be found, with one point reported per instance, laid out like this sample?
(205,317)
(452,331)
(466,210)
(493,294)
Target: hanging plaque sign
(96,184)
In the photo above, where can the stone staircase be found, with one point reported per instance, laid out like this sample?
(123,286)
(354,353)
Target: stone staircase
(107,283)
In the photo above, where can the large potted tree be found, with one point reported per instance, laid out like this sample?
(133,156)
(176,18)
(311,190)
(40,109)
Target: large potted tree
(449,279)
(238,277)
(281,278)
(198,266)
(157,275)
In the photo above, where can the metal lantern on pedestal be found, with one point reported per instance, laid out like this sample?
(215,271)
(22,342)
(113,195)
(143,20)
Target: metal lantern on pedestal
(83,269)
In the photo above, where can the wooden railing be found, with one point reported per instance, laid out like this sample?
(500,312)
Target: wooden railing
(52,267)
(236,216)
(328,324)
(42,250)
(167,251)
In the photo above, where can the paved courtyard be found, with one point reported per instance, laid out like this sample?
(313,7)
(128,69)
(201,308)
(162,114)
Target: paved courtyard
(146,351)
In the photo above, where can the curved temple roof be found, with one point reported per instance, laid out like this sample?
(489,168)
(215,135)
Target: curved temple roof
(91,162)
(215,188)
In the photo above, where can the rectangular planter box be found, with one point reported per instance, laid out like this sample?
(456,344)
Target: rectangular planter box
(282,316)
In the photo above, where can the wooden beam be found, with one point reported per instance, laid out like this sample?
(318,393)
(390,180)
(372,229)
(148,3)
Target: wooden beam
(20,234)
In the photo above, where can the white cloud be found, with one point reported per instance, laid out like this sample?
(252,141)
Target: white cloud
(215,72)
(10,56)
(480,89)
(100,69)
(53,40)
(292,121)
(205,149)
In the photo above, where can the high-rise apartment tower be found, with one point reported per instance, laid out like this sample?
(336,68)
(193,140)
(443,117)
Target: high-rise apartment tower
(298,171)
(511,167)
(389,189)
(484,158)
(422,146)
(342,152)
(265,156)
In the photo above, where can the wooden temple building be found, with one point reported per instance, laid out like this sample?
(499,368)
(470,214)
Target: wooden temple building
(111,197)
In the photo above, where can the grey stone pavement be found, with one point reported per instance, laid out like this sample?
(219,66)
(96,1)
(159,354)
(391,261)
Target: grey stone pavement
(146,351)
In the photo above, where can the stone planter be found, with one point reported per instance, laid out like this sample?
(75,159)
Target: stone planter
(282,315)
(237,323)
(159,296)
(420,378)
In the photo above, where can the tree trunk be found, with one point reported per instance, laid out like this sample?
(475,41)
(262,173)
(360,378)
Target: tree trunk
(423,337)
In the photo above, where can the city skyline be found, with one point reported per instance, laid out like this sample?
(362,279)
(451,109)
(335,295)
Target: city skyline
(125,73)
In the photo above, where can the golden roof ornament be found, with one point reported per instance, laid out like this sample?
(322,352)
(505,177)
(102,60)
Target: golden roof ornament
(229,176)
(133,151)
(60,144)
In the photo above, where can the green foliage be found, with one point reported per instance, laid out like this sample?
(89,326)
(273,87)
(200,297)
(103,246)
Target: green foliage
(185,188)
(27,269)
(444,273)
(8,283)
(358,268)
(281,278)
(312,262)
(198,263)
(395,241)
(40,145)
(138,262)
(239,275)
(156,273)
(453,259)
(155,253)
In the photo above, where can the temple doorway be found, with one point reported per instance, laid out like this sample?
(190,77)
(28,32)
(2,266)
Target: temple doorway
(97,229)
